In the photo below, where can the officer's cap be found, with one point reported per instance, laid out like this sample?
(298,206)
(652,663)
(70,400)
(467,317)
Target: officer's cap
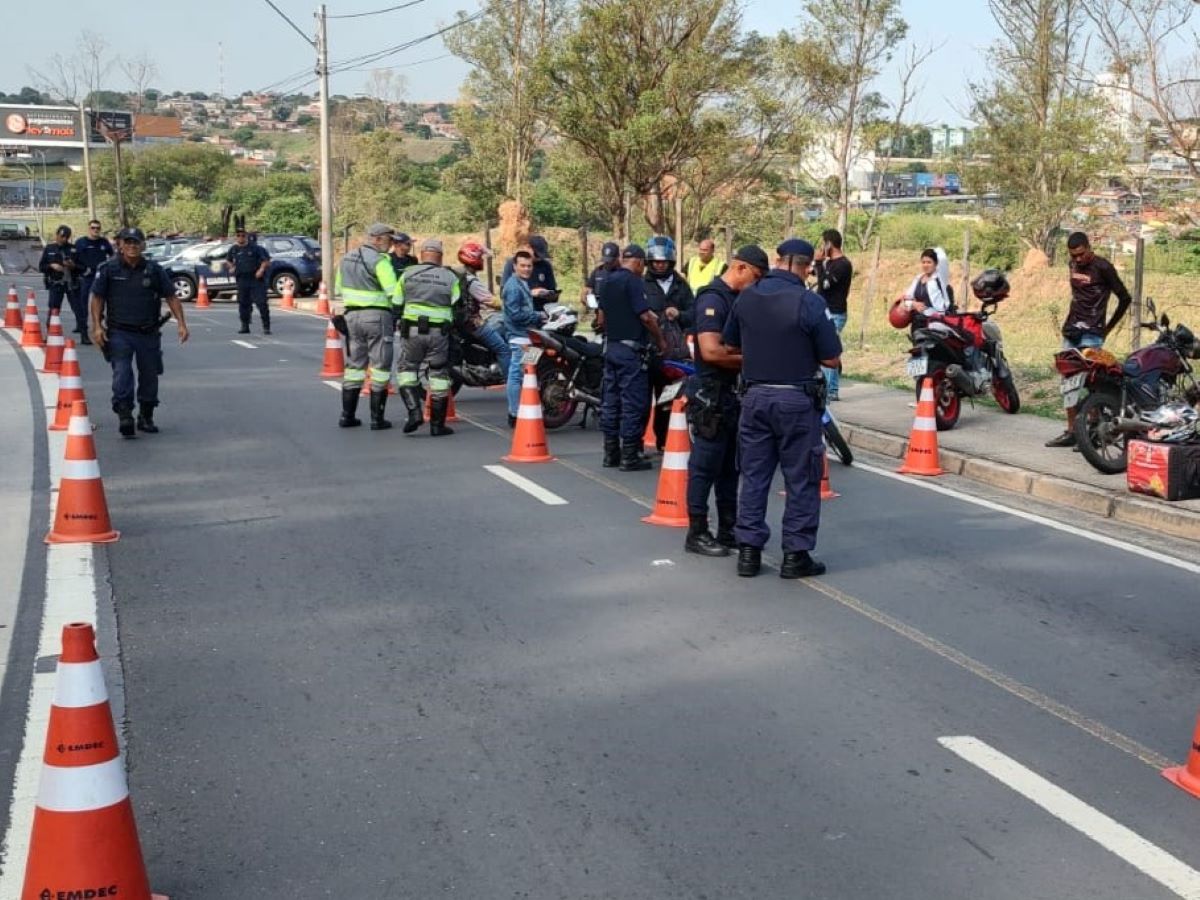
(753,255)
(379,229)
(633,251)
(795,247)
(401,238)
(131,234)
(64,230)
(610,251)
(431,245)
(538,245)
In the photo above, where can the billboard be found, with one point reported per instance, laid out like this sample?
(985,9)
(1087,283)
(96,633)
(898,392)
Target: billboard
(58,126)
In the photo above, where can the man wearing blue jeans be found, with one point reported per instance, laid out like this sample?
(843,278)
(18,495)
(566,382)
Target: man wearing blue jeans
(833,271)
(520,315)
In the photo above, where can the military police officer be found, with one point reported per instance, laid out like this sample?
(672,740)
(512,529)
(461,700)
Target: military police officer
(126,300)
(249,262)
(91,252)
(365,284)
(60,269)
(712,407)
(785,337)
(428,294)
(629,325)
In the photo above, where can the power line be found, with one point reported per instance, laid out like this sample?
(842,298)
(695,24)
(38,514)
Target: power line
(415,62)
(295,27)
(377,12)
(368,58)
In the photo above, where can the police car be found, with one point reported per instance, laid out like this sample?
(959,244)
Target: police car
(295,261)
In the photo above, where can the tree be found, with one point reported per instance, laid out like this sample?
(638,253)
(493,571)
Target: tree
(77,75)
(1040,137)
(843,50)
(140,70)
(242,135)
(290,214)
(386,88)
(183,213)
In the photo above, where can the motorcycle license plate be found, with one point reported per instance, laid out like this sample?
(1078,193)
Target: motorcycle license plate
(917,366)
(532,355)
(669,393)
(1071,389)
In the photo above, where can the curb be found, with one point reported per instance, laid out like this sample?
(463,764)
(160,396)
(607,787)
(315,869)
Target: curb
(1145,513)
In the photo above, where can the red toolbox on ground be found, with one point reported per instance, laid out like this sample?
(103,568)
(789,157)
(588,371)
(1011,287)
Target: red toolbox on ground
(1170,471)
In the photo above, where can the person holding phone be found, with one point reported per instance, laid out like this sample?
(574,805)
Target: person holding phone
(834,272)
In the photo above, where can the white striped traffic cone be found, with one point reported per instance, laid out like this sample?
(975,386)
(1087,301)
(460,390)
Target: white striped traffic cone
(529,439)
(55,345)
(81,514)
(922,455)
(12,310)
(670,501)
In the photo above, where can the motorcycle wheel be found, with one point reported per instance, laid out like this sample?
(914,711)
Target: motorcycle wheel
(1104,448)
(1005,392)
(835,441)
(947,403)
(558,408)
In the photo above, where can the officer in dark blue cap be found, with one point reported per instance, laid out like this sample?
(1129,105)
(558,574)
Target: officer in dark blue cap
(610,261)
(785,337)
(629,327)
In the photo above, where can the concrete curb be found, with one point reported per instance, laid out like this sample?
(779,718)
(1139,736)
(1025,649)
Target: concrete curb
(1143,512)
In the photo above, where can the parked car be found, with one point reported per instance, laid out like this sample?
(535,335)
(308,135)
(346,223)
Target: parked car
(295,261)
(162,249)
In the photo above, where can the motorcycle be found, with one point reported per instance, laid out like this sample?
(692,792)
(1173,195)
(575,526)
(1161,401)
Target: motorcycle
(963,353)
(833,438)
(570,369)
(1120,396)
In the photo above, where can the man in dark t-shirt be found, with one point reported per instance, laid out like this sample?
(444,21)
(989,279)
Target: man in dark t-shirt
(833,271)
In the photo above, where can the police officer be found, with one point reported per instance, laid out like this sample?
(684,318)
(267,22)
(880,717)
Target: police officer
(610,261)
(712,407)
(629,325)
(402,256)
(365,284)
(785,337)
(542,283)
(428,294)
(91,252)
(126,300)
(59,268)
(249,262)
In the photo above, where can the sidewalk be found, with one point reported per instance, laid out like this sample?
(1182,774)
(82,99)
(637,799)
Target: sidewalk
(1007,452)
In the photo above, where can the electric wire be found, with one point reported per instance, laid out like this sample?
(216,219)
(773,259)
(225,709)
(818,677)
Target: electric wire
(377,12)
(295,27)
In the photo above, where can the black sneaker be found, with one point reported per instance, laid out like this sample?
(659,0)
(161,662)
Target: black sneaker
(126,425)
(245,329)
(1066,439)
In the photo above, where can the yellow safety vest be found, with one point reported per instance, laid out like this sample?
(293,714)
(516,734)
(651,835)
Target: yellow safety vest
(699,275)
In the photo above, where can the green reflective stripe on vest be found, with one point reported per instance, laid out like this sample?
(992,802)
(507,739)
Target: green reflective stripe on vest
(428,291)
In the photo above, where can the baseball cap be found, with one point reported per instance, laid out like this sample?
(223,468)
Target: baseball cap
(131,234)
(610,251)
(538,245)
(795,247)
(63,230)
(431,245)
(753,255)
(633,251)
(379,229)
(401,238)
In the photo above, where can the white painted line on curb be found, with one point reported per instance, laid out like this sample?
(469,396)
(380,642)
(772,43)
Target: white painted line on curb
(529,487)
(1176,876)
(246,344)
(336,385)
(1034,517)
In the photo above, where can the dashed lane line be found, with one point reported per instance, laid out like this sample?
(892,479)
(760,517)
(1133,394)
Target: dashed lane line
(246,344)
(530,487)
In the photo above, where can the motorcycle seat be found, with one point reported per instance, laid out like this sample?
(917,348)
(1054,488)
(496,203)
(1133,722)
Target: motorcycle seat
(587,348)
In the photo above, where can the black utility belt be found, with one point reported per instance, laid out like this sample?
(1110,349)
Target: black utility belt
(787,386)
(351,309)
(423,326)
(135,329)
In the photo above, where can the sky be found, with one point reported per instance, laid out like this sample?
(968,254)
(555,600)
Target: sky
(187,40)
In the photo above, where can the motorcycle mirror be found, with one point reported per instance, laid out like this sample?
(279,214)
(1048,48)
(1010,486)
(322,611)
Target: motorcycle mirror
(1166,321)
(1153,310)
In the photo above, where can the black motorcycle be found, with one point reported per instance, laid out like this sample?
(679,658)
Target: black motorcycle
(570,369)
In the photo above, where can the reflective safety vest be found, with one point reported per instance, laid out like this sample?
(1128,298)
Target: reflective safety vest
(430,292)
(700,275)
(366,279)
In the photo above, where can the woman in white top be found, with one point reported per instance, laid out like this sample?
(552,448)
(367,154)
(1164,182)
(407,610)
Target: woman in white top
(931,289)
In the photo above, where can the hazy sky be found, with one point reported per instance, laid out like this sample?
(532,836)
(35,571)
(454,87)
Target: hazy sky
(260,49)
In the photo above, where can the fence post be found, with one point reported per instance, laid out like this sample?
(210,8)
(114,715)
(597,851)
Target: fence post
(790,228)
(1135,309)
(728,229)
(869,300)
(964,291)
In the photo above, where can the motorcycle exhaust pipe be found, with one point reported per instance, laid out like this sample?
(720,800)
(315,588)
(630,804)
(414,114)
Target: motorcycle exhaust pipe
(577,394)
(1130,426)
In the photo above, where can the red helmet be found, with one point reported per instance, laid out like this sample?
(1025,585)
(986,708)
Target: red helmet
(472,254)
(900,315)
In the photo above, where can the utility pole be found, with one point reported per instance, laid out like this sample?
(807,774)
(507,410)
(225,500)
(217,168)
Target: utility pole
(85,123)
(326,151)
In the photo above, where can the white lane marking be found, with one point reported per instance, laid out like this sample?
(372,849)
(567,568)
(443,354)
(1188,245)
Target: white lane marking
(1176,876)
(1034,517)
(336,385)
(246,344)
(529,487)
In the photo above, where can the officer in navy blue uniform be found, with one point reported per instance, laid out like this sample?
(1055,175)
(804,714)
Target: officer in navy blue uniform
(713,408)
(249,262)
(126,300)
(59,268)
(629,327)
(785,337)
(91,252)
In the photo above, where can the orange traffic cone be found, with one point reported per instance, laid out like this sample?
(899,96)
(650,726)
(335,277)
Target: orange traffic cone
(81,516)
(12,309)
(827,491)
(202,301)
(335,356)
(670,503)
(529,440)
(31,331)
(922,456)
(84,841)
(70,387)
(649,438)
(451,412)
(288,300)
(54,345)
(1188,776)
(322,301)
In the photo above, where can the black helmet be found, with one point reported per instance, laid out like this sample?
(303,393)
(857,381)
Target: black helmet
(62,231)
(990,284)
(1185,340)
(610,251)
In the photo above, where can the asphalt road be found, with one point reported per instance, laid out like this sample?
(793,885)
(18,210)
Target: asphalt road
(361,665)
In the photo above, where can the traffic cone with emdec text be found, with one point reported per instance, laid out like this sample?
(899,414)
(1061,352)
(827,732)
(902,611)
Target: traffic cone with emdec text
(55,345)
(670,501)
(922,455)
(81,513)
(1188,776)
(31,330)
(529,438)
(12,310)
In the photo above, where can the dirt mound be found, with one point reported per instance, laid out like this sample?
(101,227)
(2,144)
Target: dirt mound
(1035,261)
(514,230)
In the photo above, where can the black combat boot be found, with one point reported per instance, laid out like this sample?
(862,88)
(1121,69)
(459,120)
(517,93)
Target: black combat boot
(145,419)
(631,457)
(438,407)
(412,402)
(798,564)
(612,452)
(349,408)
(378,402)
(125,425)
(749,561)
(726,519)
(700,541)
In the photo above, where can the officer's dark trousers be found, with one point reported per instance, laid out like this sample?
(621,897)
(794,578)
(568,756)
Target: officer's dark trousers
(128,351)
(252,290)
(713,466)
(623,393)
(779,427)
(79,303)
(57,292)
